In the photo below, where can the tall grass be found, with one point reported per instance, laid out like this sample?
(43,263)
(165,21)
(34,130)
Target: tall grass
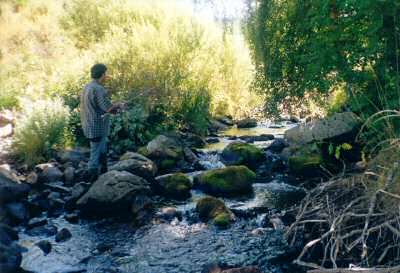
(40,128)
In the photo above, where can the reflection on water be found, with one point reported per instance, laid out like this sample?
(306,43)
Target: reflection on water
(277,130)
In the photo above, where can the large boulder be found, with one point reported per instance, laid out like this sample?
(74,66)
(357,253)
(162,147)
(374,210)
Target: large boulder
(211,208)
(136,164)
(238,153)
(113,192)
(247,123)
(229,181)
(175,185)
(340,127)
(11,189)
(164,147)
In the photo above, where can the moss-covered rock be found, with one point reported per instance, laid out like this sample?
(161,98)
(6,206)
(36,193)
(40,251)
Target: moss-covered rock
(238,153)
(143,151)
(306,161)
(177,185)
(222,220)
(229,181)
(211,208)
(166,164)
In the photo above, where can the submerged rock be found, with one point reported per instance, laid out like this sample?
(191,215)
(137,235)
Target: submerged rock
(211,208)
(273,195)
(136,164)
(263,137)
(113,193)
(229,181)
(238,153)
(177,185)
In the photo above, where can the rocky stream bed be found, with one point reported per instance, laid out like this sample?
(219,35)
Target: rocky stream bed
(68,225)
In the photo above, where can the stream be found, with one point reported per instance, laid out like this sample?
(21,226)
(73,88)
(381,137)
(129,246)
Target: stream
(175,245)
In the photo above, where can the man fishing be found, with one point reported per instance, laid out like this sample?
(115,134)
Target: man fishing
(96,107)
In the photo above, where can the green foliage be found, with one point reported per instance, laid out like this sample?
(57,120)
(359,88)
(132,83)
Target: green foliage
(40,129)
(310,47)
(335,150)
(173,70)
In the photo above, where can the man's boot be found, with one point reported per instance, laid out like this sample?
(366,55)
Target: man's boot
(93,174)
(103,163)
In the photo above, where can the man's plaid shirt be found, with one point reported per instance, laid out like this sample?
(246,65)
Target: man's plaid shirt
(94,105)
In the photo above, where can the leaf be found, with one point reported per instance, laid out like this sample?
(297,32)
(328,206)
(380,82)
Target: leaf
(330,149)
(337,152)
(346,146)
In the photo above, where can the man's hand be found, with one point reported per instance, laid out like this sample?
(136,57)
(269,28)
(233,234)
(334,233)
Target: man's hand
(116,107)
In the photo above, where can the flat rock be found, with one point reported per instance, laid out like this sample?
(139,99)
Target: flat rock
(340,125)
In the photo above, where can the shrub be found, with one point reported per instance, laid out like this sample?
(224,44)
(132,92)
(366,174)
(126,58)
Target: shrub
(40,127)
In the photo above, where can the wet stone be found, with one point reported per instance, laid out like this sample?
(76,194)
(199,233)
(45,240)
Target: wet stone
(46,231)
(45,246)
(63,235)
(57,187)
(73,218)
(103,247)
(37,222)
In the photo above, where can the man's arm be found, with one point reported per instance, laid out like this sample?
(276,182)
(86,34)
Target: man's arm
(104,102)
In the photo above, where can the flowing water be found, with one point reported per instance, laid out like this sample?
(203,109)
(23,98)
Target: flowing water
(173,246)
